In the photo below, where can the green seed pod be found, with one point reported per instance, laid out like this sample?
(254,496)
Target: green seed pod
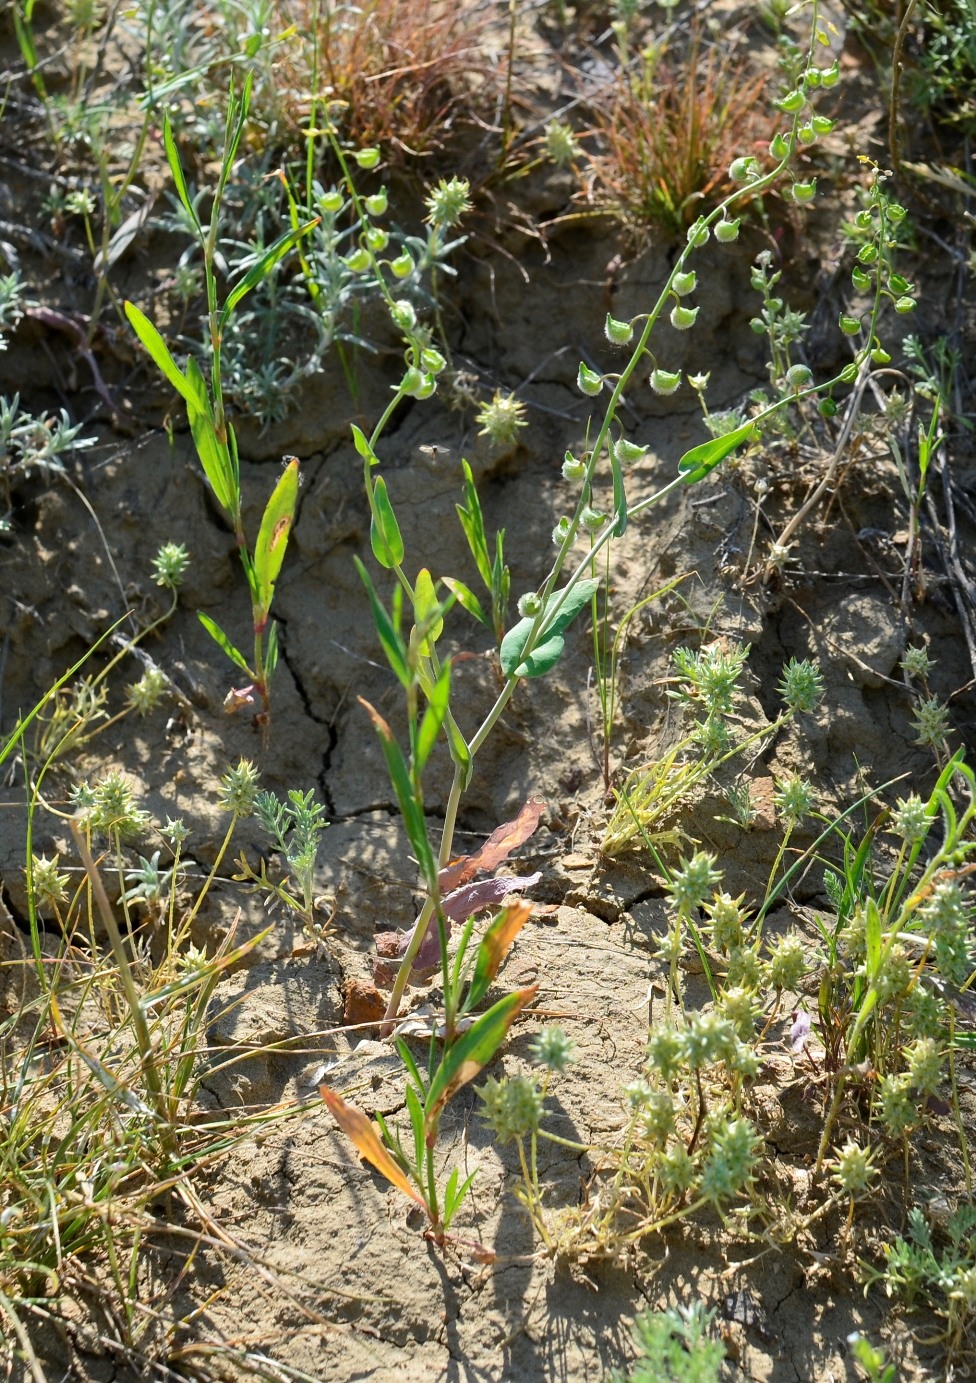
(664,382)
(617,332)
(683,318)
(367,158)
(684,283)
(804,192)
(727,231)
(588,381)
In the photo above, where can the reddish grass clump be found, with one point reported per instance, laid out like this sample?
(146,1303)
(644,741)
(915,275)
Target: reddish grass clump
(667,132)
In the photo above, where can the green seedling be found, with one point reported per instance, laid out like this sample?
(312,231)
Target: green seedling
(676,1346)
(935,1265)
(294,826)
(213,434)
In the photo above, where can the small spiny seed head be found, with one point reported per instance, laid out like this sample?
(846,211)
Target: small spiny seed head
(502,419)
(931,723)
(448,202)
(694,880)
(923,1061)
(50,887)
(794,798)
(853,1168)
(802,686)
(239,788)
(911,819)
(146,694)
(916,661)
(788,961)
(726,920)
(552,1049)
(512,1107)
(562,146)
(170,565)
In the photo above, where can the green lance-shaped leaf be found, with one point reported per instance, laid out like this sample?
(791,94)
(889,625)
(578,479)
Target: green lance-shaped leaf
(470,1053)
(549,648)
(467,599)
(361,442)
(269,550)
(176,169)
(159,352)
(495,946)
(411,809)
(703,459)
(219,637)
(393,645)
(438,697)
(384,531)
(260,271)
(214,458)
(426,611)
(473,523)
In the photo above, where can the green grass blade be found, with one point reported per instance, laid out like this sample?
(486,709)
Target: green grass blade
(176,169)
(159,352)
(219,637)
(260,271)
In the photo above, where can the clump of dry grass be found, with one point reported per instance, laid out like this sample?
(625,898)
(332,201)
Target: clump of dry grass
(667,132)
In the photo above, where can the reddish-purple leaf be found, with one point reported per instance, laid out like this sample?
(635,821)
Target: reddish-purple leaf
(499,845)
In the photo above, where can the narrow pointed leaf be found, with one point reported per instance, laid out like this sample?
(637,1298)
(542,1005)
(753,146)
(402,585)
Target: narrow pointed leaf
(410,808)
(470,1053)
(698,462)
(467,599)
(363,1133)
(495,946)
(433,718)
(276,523)
(460,752)
(176,169)
(362,445)
(619,494)
(214,458)
(159,351)
(426,611)
(393,645)
(384,531)
(219,637)
(259,271)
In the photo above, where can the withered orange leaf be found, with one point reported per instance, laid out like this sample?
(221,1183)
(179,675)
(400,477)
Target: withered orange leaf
(363,1133)
(499,845)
